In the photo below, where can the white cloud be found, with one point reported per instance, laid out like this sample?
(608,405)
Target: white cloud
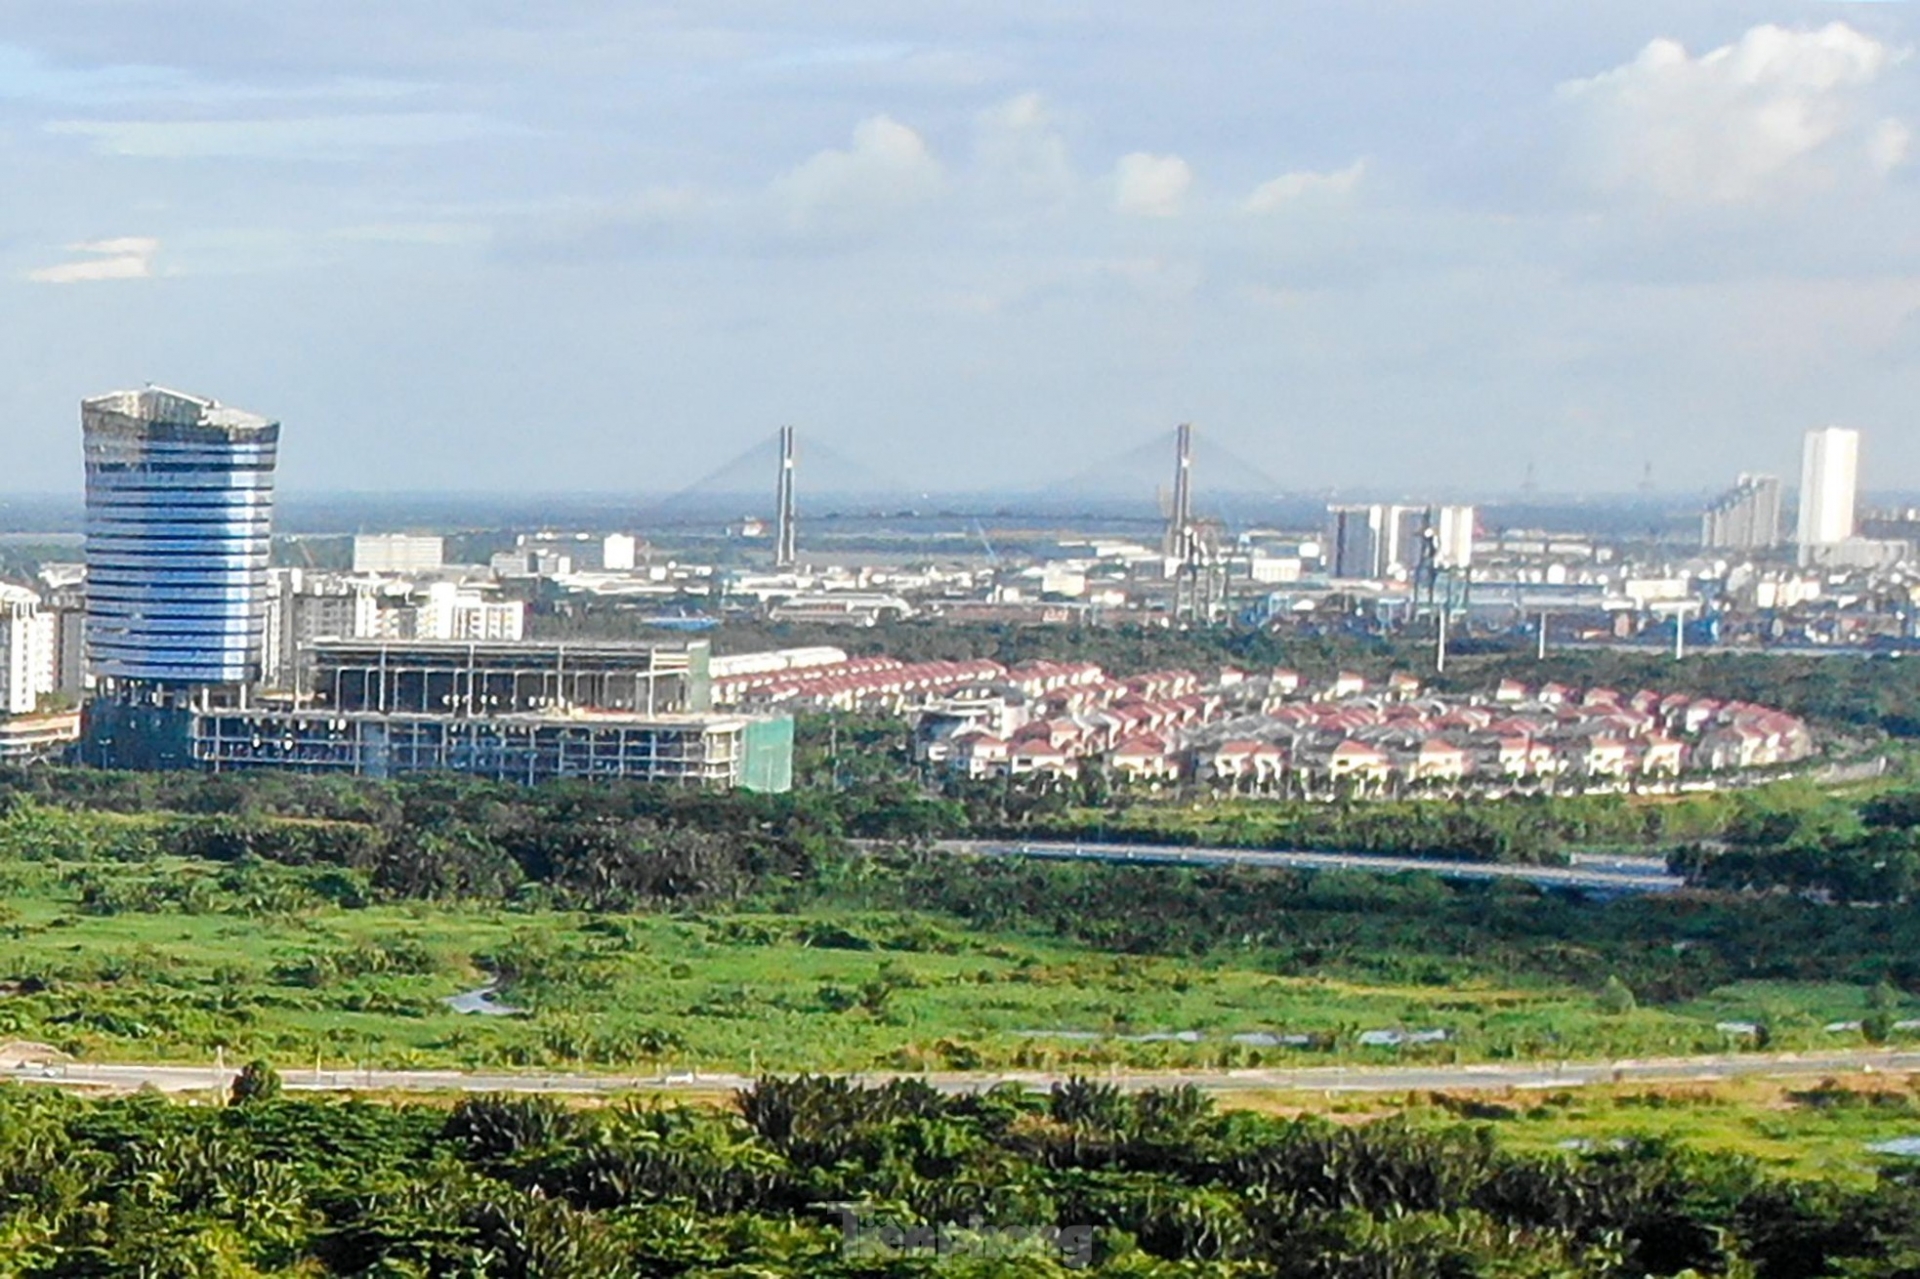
(1021,154)
(1151,186)
(122,258)
(1302,184)
(1736,123)
(887,171)
(1887,148)
(342,137)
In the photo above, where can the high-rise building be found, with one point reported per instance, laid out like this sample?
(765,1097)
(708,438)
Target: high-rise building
(179,528)
(1356,541)
(306,606)
(1829,471)
(1744,518)
(1408,528)
(618,552)
(1382,541)
(26,651)
(397,553)
(1453,537)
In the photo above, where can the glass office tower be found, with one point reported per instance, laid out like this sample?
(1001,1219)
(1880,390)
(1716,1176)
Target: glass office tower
(179,525)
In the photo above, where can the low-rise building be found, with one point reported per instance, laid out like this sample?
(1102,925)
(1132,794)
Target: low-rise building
(1355,761)
(1438,760)
(1144,759)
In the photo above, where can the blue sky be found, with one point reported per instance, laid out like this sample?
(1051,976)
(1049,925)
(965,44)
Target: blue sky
(608,245)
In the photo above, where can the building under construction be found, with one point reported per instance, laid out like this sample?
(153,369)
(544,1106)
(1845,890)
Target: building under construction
(524,712)
(179,504)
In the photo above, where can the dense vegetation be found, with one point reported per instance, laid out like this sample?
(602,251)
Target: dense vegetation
(636,927)
(1865,853)
(816,1176)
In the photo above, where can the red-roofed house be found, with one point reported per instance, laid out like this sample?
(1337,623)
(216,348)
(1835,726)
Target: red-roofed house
(1661,757)
(1144,759)
(1030,758)
(980,755)
(1259,763)
(1347,684)
(1356,761)
(1437,760)
(1605,757)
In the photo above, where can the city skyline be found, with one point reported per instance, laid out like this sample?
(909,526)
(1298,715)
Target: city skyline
(1224,473)
(586,247)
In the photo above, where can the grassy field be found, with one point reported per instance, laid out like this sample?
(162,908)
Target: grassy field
(173,960)
(1819,1130)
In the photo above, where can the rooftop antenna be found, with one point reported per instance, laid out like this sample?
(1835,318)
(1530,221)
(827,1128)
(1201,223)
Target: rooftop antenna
(786,546)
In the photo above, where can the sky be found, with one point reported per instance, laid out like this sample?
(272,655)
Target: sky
(608,245)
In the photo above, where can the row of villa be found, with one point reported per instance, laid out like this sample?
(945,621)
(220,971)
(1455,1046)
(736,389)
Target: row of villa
(1266,733)
(1272,730)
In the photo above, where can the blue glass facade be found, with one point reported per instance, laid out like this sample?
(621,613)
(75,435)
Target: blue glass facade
(179,528)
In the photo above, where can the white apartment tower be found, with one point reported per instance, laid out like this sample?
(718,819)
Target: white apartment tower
(1744,518)
(26,651)
(1453,537)
(1829,471)
(1385,542)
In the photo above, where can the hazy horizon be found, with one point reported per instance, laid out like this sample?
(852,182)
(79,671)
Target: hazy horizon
(312,513)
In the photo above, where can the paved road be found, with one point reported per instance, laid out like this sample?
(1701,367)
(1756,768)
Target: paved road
(1488,1076)
(1613,874)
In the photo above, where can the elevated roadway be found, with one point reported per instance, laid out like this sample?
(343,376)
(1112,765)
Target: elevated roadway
(1585,871)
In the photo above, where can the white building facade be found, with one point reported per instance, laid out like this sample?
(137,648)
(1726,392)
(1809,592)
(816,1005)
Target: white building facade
(397,553)
(27,647)
(1829,474)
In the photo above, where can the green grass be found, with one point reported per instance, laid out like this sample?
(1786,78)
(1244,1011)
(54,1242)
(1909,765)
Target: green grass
(1819,1130)
(1816,1131)
(174,960)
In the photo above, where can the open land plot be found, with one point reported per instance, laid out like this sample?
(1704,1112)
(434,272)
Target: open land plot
(95,961)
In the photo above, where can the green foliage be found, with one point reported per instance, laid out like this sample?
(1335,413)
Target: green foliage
(256,1083)
(1864,854)
(644,930)
(638,928)
(1616,998)
(1151,1183)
